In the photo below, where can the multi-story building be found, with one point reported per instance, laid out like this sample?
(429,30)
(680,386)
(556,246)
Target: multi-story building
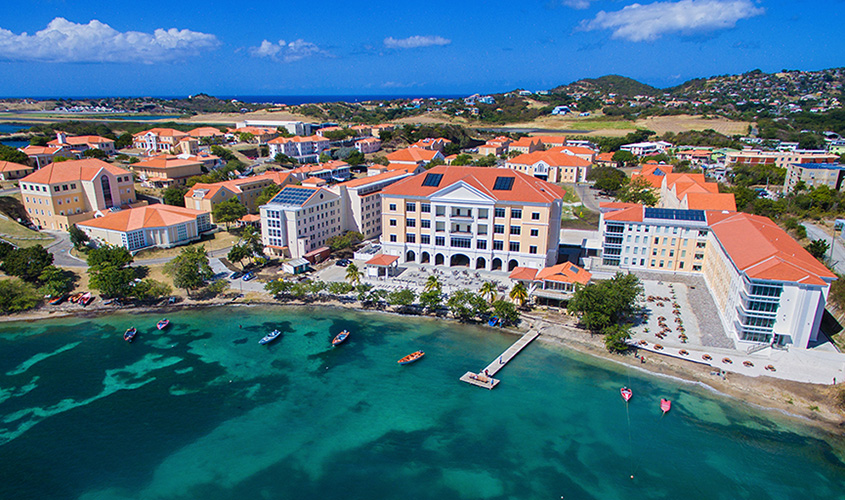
(161,226)
(330,171)
(836,147)
(814,175)
(210,134)
(692,191)
(495,147)
(62,194)
(205,197)
(646,148)
(10,170)
(41,156)
(526,145)
(157,140)
(368,145)
(552,166)
(432,144)
(83,143)
(360,201)
(767,288)
(780,159)
(164,171)
(257,135)
(293,127)
(414,156)
(300,219)
(303,149)
(483,218)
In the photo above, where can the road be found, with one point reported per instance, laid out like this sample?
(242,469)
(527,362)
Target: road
(815,232)
(588,196)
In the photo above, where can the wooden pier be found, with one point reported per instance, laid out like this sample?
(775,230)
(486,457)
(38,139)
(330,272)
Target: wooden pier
(485,377)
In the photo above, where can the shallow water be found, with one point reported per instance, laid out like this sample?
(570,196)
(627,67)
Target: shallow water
(202,410)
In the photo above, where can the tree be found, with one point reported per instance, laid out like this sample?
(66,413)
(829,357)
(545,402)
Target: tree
(228,211)
(238,253)
(112,280)
(362,289)
(462,159)
(519,294)
(377,160)
(346,240)
(251,239)
(16,295)
(27,263)
(278,288)
(431,299)
(150,289)
(59,159)
(117,256)
(283,159)
(175,195)
(38,140)
(246,137)
(124,140)
(624,157)
(505,311)
(353,274)
(95,153)
(55,282)
(190,269)
(355,158)
(607,178)
(466,305)
(817,248)
(78,237)
(339,288)
(432,283)
(607,302)
(401,298)
(638,190)
(616,336)
(489,289)
(8,153)
(267,194)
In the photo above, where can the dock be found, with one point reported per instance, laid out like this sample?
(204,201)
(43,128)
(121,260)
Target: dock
(484,378)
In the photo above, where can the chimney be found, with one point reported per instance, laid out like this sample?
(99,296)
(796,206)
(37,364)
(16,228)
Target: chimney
(61,137)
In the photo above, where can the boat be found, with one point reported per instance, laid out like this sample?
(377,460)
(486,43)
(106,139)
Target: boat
(410,358)
(626,394)
(85,299)
(129,336)
(340,338)
(57,300)
(270,337)
(493,321)
(665,405)
(161,325)
(75,297)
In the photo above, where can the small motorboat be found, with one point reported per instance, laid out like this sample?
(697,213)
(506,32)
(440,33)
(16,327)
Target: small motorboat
(626,394)
(161,325)
(129,336)
(493,321)
(270,337)
(108,302)
(340,338)
(410,358)
(57,300)
(665,405)
(86,299)
(75,297)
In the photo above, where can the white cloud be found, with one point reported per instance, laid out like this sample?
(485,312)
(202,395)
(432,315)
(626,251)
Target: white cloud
(648,22)
(287,51)
(577,4)
(65,41)
(413,42)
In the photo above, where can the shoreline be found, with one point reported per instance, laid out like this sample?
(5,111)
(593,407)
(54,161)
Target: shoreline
(809,404)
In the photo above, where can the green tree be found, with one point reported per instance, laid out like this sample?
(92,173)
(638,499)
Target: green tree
(55,282)
(112,280)
(607,302)
(638,190)
(616,337)
(190,269)
(117,256)
(505,311)
(267,194)
(607,178)
(355,158)
(353,274)
(283,159)
(238,253)
(16,295)
(228,211)
(466,305)
(362,289)
(377,160)
(124,140)
(246,137)
(431,299)
(95,153)
(432,283)
(624,158)
(78,237)
(8,153)
(278,288)
(175,195)
(150,289)
(817,248)
(341,241)
(339,288)
(519,294)
(401,299)
(38,140)
(324,158)
(251,239)
(27,263)
(490,290)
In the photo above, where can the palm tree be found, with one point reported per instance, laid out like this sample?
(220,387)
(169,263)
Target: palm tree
(489,289)
(519,294)
(251,238)
(353,275)
(432,283)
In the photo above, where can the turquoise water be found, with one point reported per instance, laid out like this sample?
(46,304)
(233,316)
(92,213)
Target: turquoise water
(202,411)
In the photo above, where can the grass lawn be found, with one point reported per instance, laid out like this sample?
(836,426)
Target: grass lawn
(571,196)
(216,241)
(14,232)
(587,221)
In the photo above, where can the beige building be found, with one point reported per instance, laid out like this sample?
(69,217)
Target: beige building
(780,159)
(552,166)
(205,197)
(415,156)
(41,156)
(158,140)
(65,193)
(10,170)
(161,226)
(164,171)
(360,201)
(83,143)
(814,175)
(476,217)
(300,219)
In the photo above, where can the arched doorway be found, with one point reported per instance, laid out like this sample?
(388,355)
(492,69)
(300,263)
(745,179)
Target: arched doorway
(410,256)
(425,258)
(459,260)
(496,264)
(512,264)
(480,263)
(438,259)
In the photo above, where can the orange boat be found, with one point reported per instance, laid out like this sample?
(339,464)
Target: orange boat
(410,358)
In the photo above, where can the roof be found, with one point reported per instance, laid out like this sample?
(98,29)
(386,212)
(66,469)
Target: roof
(761,249)
(525,142)
(250,218)
(297,138)
(711,201)
(81,139)
(234,185)
(822,166)
(523,274)
(149,216)
(412,155)
(566,273)
(162,132)
(41,150)
(604,157)
(295,196)
(525,188)
(553,158)
(72,170)
(368,140)
(576,150)
(205,132)
(10,166)
(551,139)
(165,162)
(363,181)
(382,260)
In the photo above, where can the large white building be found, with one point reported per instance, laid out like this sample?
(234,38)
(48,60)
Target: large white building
(293,127)
(303,149)
(361,200)
(300,219)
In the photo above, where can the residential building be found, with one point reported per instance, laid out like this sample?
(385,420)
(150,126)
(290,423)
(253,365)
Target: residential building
(604,160)
(767,288)
(368,145)
(161,226)
(293,127)
(303,149)
(496,147)
(836,147)
(360,200)
(377,129)
(205,197)
(158,140)
(692,191)
(414,156)
(362,130)
(582,152)
(695,156)
(526,145)
(334,171)
(10,170)
(62,194)
(83,143)
(814,175)
(552,166)
(433,144)
(259,135)
(654,173)
(551,141)
(483,218)
(211,134)
(551,284)
(164,171)
(780,159)
(646,148)
(41,156)
(300,219)
(334,128)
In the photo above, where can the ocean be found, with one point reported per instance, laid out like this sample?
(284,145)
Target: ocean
(201,410)
(292,100)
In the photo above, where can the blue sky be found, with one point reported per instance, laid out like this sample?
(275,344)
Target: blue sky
(117,47)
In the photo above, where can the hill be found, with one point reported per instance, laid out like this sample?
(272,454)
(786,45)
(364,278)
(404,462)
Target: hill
(609,84)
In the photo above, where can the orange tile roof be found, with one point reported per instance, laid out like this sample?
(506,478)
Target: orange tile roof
(566,273)
(758,247)
(711,201)
(162,132)
(629,214)
(81,139)
(256,130)
(363,181)
(149,216)
(234,185)
(41,150)
(165,161)
(525,188)
(605,157)
(72,170)
(616,205)
(551,139)
(523,274)
(368,140)
(296,138)
(205,132)
(412,155)
(576,150)
(382,260)
(250,218)
(10,166)
(524,142)
(555,159)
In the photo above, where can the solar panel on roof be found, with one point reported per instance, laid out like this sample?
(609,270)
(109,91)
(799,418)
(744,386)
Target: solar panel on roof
(674,214)
(293,196)
(432,180)
(503,184)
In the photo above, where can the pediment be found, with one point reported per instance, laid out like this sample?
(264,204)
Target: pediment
(461,192)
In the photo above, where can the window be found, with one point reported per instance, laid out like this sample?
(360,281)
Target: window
(681,265)
(516,213)
(440,211)
(410,238)
(56,188)
(460,242)
(440,241)
(499,212)
(654,252)
(535,232)
(533,250)
(516,230)
(425,239)
(498,229)
(652,262)
(412,223)
(514,246)
(661,263)
(481,244)
(393,222)
(393,238)
(656,241)
(393,207)
(410,206)
(425,223)
(671,253)
(425,208)
(498,245)
(535,215)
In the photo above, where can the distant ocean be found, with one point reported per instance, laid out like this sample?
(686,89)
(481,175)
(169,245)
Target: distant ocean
(310,99)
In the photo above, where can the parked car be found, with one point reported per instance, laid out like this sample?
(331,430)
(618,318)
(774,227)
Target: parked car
(342,262)
(235,275)
(249,276)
